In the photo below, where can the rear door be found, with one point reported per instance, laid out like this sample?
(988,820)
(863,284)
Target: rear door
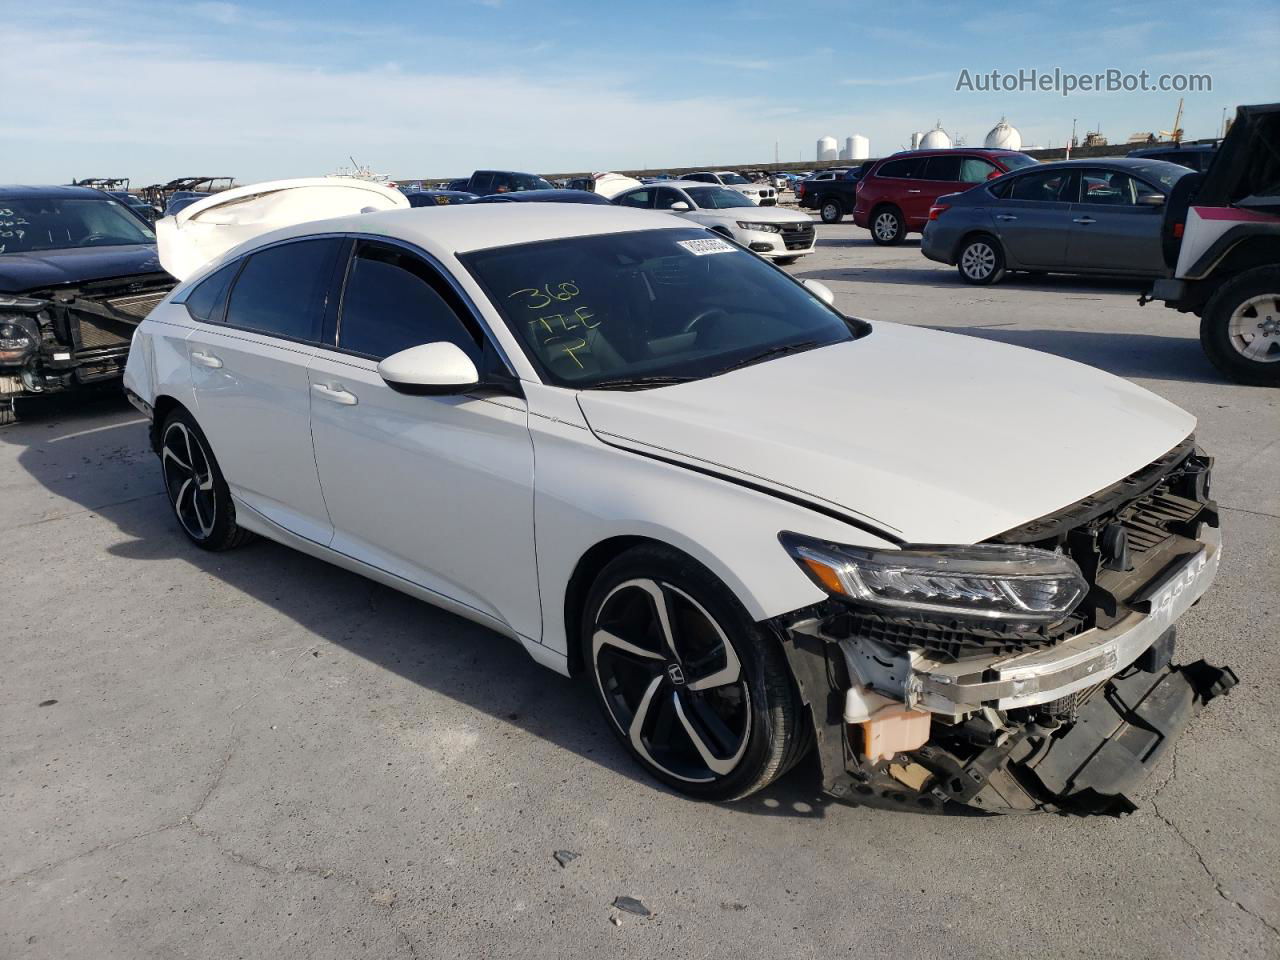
(898,182)
(1112,230)
(437,490)
(249,373)
(1032,218)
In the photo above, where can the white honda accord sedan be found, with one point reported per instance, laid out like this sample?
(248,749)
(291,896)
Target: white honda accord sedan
(643,453)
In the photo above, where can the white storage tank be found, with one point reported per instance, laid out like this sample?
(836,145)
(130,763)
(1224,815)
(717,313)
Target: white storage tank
(827,148)
(915,140)
(935,139)
(857,147)
(1004,136)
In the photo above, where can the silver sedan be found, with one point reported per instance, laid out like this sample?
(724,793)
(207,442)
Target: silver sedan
(1096,216)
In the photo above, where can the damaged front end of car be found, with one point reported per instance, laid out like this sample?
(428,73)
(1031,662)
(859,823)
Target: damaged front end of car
(1030,673)
(64,338)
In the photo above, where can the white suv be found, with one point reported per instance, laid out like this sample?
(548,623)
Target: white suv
(758,193)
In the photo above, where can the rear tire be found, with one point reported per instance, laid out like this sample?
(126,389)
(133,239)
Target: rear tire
(981,260)
(699,694)
(831,212)
(198,493)
(8,414)
(888,228)
(1240,328)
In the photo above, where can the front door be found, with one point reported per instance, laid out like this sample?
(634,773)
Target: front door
(1112,229)
(437,490)
(249,373)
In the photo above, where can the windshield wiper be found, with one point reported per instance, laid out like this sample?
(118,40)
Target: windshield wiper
(638,383)
(772,352)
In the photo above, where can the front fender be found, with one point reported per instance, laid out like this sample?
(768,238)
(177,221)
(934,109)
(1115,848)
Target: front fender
(587,492)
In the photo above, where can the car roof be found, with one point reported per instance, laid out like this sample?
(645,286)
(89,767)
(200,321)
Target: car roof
(544,196)
(461,228)
(36,192)
(1118,163)
(943,151)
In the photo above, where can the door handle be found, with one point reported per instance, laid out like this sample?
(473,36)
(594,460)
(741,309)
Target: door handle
(336,394)
(913,191)
(1084,220)
(205,360)
(1005,216)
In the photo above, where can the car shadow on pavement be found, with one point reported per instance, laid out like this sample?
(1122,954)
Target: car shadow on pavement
(421,643)
(1131,355)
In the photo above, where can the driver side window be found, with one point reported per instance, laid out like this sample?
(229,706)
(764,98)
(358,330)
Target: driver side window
(393,301)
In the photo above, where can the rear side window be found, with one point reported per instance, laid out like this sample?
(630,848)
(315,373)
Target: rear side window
(393,301)
(1044,187)
(208,299)
(942,168)
(907,168)
(636,198)
(283,290)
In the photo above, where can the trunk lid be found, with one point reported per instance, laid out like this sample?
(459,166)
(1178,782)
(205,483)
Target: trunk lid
(204,231)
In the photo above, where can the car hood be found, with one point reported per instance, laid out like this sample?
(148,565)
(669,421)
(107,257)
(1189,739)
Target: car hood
(933,437)
(207,229)
(22,272)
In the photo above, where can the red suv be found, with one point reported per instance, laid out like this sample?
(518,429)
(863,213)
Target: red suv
(894,197)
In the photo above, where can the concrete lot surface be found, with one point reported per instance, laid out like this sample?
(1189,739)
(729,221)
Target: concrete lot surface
(257,755)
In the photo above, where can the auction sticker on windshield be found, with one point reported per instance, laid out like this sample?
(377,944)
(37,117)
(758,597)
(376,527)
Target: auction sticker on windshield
(700,248)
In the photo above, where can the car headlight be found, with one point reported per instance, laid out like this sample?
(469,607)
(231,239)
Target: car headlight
(16,341)
(762,227)
(1006,584)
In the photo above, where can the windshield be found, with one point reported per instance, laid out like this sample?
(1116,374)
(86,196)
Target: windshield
(29,224)
(733,178)
(612,310)
(717,198)
(1016,161)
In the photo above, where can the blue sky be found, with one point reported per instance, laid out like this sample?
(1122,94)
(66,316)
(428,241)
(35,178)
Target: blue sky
(282,88)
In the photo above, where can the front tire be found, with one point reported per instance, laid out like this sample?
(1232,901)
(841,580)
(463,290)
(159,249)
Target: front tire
(831,212)
(981,261)
(887,226)
(785,261)
(699,695)
(197,491)
(1240,329)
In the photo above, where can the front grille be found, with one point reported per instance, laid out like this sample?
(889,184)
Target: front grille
(954,641)
(1152,519)
(799,237)
(95,336)
(138,305)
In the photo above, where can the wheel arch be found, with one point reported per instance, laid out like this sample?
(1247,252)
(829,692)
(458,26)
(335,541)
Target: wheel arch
(585,572)
(163,405)
(973,234)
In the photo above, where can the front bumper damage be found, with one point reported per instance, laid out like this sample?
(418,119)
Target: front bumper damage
(922,718)
(79,336)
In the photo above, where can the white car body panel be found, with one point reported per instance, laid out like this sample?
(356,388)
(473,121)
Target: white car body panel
(204,231)
(818,423)
(612,184)
(486,506)
(449,470)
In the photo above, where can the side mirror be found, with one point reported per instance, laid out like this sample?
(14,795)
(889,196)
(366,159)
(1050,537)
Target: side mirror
(679,207)
(1152,200)
(429,369)
(821,291)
